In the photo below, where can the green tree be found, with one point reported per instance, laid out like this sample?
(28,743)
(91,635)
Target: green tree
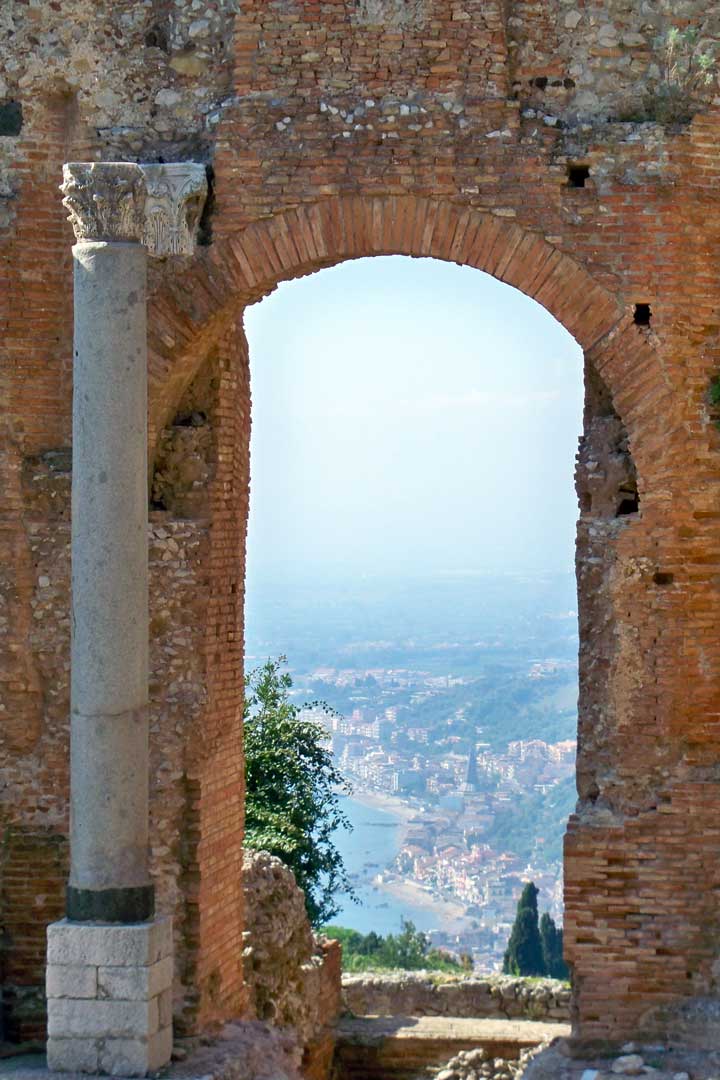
(551,939)
(524,955)
(292,783)
(407,951)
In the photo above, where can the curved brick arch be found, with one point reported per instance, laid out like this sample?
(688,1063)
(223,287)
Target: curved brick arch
(188,315)
(242,267)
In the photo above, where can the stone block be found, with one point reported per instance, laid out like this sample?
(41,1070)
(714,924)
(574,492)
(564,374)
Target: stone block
(165,1006)
(136,1057)
(72,1055)
(136,944)
(71,981)
(83,1019)
(135,983)
(160,1048)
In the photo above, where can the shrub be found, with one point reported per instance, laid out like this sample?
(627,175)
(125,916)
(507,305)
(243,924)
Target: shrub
(686,73)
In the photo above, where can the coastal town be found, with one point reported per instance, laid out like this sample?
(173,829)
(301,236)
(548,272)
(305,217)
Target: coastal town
(466,847)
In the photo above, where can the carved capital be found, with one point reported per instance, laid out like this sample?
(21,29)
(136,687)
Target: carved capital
(155,205)
(175,198)
(106,200)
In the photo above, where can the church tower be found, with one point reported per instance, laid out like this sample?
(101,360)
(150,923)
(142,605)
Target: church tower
(471,784)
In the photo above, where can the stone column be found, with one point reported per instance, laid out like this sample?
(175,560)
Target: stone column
(109,978)
(109,877)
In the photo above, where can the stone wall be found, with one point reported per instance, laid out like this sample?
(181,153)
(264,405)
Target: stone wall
(420,993)
(292,977)
(504,136)
(33,846)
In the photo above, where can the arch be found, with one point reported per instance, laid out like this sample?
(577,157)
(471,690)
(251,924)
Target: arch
(193,314)
(191,310)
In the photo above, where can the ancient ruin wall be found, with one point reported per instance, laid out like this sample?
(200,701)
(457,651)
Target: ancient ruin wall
(334,130)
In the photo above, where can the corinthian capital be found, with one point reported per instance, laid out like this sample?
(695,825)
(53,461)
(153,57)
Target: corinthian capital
(106,200)
(175,198)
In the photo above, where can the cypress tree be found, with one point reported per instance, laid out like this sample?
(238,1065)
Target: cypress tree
(552,948)
(524,954)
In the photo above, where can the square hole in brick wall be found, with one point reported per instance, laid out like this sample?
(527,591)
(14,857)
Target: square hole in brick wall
(642,314)
(11,118)
(577,174)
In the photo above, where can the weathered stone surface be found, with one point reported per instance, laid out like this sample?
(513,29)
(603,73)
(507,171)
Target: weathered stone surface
(69,1019)
(292,977)
(71,980)
(241,1051)
(174,201)
(124,1026)
(417,993)
(106,200)
(72,1055)
(109,787)
(403,1047)
(103,946)
(135,1057)
(135,983)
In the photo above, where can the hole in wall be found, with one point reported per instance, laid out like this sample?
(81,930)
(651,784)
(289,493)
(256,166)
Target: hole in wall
(11,118)
(204,229)
(661,577)
(629,505)
(156,38)
(577,175)
(642,314)
(185,456)
(192,419)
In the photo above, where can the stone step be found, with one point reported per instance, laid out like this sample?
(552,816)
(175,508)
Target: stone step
(403,1047)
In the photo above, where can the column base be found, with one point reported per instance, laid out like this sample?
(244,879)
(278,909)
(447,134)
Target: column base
(110,905)
(109,991)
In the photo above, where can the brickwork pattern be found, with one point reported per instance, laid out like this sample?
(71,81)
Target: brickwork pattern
(337,130)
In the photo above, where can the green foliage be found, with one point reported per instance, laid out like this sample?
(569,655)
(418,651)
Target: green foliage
(686,71)
(292,787)
(407,951)
(715,391)
(524,955)
(551,939)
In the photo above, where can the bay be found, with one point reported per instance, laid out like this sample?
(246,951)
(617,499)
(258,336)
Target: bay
(367,850)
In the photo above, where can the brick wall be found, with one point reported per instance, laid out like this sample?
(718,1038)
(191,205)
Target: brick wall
(336,130)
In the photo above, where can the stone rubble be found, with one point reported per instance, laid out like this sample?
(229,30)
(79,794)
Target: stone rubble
(480,1065)
(659,1061)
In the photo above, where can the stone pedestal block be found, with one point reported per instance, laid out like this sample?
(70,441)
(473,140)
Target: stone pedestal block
(109,990)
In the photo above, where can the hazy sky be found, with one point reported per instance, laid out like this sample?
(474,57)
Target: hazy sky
(410,416)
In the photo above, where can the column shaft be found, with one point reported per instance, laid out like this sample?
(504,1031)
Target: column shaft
(109,729)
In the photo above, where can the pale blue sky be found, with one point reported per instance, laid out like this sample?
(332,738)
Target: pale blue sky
(410,416)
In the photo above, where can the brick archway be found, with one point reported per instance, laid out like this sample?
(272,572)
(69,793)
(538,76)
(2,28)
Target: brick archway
(186,315)
(626,624)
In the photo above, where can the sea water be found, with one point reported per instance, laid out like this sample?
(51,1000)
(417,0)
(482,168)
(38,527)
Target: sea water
(367,851)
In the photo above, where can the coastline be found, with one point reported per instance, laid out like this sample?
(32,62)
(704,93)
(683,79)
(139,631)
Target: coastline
(451,915)
(389,804)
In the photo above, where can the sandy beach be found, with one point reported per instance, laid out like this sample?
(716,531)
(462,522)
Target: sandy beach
(451,916)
